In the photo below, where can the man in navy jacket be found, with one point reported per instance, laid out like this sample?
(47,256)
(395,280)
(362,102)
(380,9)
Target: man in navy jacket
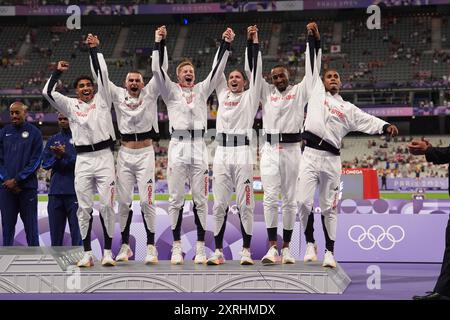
(436,155)
(20,156)
(59,156)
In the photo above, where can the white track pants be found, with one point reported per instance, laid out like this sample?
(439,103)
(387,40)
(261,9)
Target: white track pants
(188,160)
(95,170)
(233,170)
(279,172)
(136,166)
(323,169)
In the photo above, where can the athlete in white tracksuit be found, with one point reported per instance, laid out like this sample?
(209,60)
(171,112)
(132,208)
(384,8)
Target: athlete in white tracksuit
(283,109)
(329,119)
(93,135)
(137,119)
(233,160)
(188,158)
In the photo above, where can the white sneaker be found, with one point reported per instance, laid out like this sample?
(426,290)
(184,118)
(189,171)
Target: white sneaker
(152,255)
(200,255)
(216,259)
(328,260)
(287,257)
(108,260)
(87,260)
(271,256)
(125,252)
(246,257)
(311,252)
(177,254)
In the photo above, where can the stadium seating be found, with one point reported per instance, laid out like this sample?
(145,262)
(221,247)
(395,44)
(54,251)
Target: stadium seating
(403,54)
(392,155)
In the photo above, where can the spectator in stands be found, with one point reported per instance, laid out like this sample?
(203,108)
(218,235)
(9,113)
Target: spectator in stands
(417,172)
(383,180)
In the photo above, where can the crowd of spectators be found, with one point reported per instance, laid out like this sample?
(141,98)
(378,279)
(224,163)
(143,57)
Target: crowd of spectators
(355,74)
(360,74)
(391,158)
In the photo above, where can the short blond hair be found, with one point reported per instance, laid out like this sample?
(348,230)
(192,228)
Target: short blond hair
(183,63)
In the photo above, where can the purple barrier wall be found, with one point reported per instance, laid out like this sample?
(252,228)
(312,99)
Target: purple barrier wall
(436,111)
(389,111)
(368,230)
(386,111)
(414,183)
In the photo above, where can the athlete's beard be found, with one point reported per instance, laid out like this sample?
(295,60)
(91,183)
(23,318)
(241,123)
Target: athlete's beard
(18,123)
(333,91)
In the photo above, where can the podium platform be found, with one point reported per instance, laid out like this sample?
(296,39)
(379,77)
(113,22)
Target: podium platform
(52,270)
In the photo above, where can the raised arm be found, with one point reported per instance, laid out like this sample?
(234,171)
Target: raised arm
(114,90)
(222,85)
(159,60)
(253,62)
(250,58)
(317,50)
(211,82)
(100,69)
(152,85)
(313,59)
(56,99)
(312,54)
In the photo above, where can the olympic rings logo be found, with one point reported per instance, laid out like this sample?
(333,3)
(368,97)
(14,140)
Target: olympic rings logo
(376,236)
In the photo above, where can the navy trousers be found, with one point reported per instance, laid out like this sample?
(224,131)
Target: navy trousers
(25,204)
(62,209)
(443,282)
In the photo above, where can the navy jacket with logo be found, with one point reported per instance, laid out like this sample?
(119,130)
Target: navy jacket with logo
(63,169)
(20,154)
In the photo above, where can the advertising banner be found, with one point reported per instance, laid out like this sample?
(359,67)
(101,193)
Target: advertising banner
(389,111)
(414,183)
(216,7)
